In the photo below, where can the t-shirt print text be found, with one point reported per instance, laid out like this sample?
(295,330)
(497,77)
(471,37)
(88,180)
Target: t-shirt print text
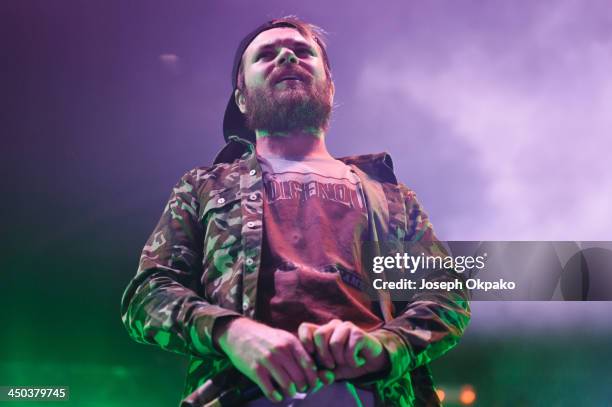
(280,186)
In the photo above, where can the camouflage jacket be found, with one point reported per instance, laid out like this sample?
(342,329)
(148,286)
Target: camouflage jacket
(202,262)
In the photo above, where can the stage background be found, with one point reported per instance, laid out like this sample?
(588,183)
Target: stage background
(497,113)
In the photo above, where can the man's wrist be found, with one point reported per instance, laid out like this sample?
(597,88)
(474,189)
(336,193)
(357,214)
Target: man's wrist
(398,351)
(220,328)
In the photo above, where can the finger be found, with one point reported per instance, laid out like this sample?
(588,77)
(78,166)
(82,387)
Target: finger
(263,380)
(356,343)
(326,376)
(280,376)
(307,365)
(338,342)
(321,340)
(295,371)
(305,333)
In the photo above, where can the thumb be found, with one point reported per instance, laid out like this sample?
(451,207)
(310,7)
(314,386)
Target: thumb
(371,347)
(358,358)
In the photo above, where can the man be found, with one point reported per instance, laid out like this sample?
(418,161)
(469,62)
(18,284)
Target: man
(254,269)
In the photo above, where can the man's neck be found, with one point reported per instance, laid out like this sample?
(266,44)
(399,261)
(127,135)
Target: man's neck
(294,145)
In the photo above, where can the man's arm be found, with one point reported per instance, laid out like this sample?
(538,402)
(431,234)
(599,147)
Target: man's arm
(160,305)
(431,323)
(425,328)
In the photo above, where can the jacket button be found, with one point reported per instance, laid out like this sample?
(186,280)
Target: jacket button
(249,261)
(252,172)
(221,200)
(251,224)
(253,197)
(245,306)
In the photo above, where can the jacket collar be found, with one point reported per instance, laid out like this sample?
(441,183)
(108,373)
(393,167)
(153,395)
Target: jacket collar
(235,148)
(378,165)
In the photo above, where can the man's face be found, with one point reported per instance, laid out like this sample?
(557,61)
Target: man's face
(285,83)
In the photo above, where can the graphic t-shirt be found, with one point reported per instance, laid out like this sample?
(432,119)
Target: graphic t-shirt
(315,218)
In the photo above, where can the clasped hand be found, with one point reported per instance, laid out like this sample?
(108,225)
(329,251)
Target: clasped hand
(278,362)
(344,348)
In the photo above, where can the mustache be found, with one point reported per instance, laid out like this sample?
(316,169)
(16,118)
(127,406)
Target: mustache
(297,72)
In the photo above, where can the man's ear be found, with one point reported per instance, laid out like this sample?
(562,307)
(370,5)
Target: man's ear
(332,91)
(240,100)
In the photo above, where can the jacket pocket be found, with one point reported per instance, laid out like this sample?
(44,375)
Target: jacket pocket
(220,198)
(221,211)
(222,224)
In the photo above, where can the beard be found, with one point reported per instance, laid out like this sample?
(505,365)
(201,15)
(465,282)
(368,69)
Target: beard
(293,108)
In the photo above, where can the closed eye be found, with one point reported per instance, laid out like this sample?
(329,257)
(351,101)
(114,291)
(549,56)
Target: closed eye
(265,55)
(304,52)
(300,52)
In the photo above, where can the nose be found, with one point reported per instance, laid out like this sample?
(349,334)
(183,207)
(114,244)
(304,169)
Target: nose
(286,56)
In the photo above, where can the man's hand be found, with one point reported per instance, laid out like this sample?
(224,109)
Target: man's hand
(344,348)
(268,357)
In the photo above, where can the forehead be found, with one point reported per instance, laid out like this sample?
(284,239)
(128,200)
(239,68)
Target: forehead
(277,36)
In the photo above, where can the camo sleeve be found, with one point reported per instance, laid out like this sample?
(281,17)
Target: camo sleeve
(433,322)
(160,305)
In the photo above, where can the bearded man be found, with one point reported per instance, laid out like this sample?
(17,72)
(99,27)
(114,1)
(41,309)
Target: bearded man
(255,268)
